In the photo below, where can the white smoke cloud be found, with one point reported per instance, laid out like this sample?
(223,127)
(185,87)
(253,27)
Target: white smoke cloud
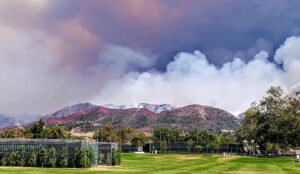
(33,80)
(191,78)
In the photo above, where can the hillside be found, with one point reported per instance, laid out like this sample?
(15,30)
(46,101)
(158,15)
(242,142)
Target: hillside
(140,118)
(85,117)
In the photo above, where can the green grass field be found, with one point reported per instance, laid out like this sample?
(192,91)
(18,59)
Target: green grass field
(175,163)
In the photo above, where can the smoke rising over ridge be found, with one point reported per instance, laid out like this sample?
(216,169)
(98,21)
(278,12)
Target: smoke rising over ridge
(191,78)
(55,53)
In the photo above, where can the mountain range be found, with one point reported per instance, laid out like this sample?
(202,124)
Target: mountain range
(85,116)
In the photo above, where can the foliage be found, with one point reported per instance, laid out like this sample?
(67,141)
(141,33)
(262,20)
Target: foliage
(52,157)
(90,157)
(37,129)
(124,134)
(163,146)
(190,143)
(31,160)
(106,133)
(42,157)
(198,148)
(166,134)
(20,156)
(139,139)
(275,119)
(63,158)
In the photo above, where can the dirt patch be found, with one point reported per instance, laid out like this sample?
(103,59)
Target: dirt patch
(112,168)
(227,158)
(183,158)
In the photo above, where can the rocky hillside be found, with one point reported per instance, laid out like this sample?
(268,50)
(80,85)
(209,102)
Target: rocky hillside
(198,116)
(140,118)
(86,116)
(152,107)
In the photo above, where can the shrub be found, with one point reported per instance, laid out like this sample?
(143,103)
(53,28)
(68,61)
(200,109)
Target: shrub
(42,157)
(163,146)
(31,160)
(63,158)
(52,157)
(198,148)
(20,156)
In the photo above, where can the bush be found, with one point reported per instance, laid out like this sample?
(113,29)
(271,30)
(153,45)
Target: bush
(63,158)
(3,160)
(118,157)
(163,146)
(42,157)
(20,157)
(31,160)
(52,157)
(198,148)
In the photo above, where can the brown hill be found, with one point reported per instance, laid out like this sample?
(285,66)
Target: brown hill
(184,118)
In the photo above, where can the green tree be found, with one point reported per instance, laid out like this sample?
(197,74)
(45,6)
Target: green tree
(42,157)
(81,158)
(107,133)
(31,160)
(90,157)
(63,158)
(55,132)
(11,159)
(20,156)
(198,148)
(139,139)
(116,157)
(37,129)
(52,157)
(124,134)
(190,143)
(163,146)
(3,159)
(275,120)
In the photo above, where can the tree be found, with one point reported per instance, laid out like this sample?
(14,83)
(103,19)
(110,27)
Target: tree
(106,133)
(37,129)
(31,160)
(167,134)
(3,159)
(113,159)
(55,132)
(274,120)
(52,157)
(163,146)
(118,157)
(124,134)
(81,158)
(190,143)
(20,156)
(11,159)
(90,157)
(198,148)
(42,157)
(63,158)
(74,158)
(139,139)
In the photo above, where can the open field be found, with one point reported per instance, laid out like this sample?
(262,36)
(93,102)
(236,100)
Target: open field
(175,163)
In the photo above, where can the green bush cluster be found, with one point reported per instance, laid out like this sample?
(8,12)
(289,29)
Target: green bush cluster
(48,157)
(114,158)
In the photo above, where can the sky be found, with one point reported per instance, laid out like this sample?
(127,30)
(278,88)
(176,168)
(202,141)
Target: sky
(224,54)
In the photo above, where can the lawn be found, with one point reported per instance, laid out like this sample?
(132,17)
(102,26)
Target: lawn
(175,163)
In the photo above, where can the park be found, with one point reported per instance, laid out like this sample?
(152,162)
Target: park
(179,163)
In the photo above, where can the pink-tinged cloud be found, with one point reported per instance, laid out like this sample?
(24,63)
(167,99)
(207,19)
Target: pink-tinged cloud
(65,51)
